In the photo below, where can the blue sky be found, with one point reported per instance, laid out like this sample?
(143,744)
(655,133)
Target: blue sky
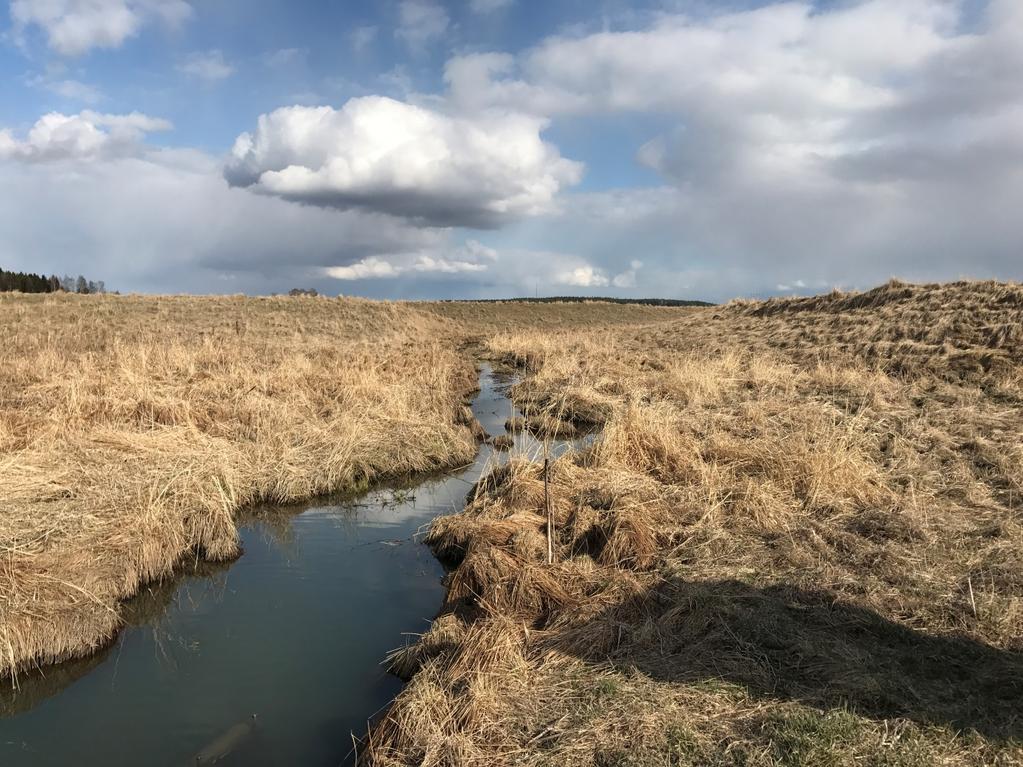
(487,148)
(289,53)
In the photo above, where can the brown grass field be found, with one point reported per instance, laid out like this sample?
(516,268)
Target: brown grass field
(132,429)
(798,541)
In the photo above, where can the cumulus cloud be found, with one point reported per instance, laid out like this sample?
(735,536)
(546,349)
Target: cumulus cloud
(210,65)
(473,256)
(780,58)
(474,269)
(166,221)
(582,277)
(366,268)
(85,136)
(478,252)
(421,22)
(387,156)
(627,279)
(847,142)
(836,143)
(778,91)
(74,27)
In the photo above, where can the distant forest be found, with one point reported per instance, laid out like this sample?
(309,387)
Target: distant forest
(584,299)
(40,283)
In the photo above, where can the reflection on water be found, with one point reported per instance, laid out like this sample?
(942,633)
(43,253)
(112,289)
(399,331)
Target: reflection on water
(293,632)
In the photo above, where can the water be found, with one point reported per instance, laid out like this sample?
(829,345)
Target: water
(293,632)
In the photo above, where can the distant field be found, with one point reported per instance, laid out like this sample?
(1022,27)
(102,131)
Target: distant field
(800,542)
(585,300)
(491,316)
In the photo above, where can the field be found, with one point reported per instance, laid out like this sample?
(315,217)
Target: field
(132,429)
(798,540)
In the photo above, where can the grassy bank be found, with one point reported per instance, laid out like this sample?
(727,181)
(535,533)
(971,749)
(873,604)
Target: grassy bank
(132,429)
(800,542)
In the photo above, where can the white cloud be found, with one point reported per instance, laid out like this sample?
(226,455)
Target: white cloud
(85,136)
(478,252)
(366,268)
(783,59)
(846,143)
(582,277)
(421,22)
(776,89)
(207,65)
(428,263)
(66,88)
(840,143)
(166,221)
(74,27)
(473,256)
(627,279)
(391,157)
(75,90)
(488,6)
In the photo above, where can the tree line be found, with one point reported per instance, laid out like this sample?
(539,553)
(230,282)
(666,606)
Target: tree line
(27,282)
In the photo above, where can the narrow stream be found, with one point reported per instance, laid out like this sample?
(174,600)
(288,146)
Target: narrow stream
(293,633)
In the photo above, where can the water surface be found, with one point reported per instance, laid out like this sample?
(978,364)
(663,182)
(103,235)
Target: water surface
(293,632)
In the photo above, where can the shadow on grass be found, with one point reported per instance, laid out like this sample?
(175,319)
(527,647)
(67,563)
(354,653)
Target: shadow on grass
(790,644)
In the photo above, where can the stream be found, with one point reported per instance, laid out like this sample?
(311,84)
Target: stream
(271,660)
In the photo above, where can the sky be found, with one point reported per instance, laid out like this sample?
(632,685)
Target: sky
(700,149)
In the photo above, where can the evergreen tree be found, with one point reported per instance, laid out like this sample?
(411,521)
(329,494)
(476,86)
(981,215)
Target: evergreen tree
(28,282)
(24,282)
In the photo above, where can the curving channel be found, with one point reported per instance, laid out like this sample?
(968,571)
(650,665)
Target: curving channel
(271,660)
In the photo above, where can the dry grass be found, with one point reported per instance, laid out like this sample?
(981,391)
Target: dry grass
(132,430)
(489,317)
(799,541)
